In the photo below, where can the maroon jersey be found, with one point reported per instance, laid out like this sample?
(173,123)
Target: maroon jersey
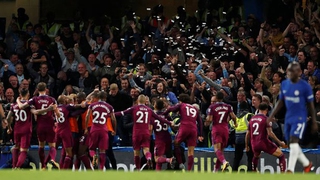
(45,120)
(189,117)
(100,113)
(142,116)
(23,118)
(161,129)
(220,113)
(258,129)
(63,120)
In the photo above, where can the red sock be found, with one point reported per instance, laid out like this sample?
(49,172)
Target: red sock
(217,166)
(162,160)
(41,157)
(86,161)
(77,163)
(15,155)
(148,155)
(177,152)
(158,166)
(21,159)
(62,157)
(220,156)
(67,162)
(255,163)
(190,162)
(52,153)
(137,162)
(92,153)
(282,163)
(102,159)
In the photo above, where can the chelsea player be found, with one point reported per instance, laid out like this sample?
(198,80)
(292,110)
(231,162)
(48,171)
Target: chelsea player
(295,94)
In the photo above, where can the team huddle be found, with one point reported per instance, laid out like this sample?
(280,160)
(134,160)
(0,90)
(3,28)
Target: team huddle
(56,125)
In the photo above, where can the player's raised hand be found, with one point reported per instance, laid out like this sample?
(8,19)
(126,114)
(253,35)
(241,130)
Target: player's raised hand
(9,131)
(283,144)
(247,148)
(200,138)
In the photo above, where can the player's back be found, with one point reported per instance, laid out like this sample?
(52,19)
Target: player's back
(220,113)
(22,118)
(188,116)
(258,129)
(41,102)
(295,96)
(161,129)
(63,123)
(100,112)
(141,115)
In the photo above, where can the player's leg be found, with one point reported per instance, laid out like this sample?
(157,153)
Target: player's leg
(63,152)
(177,151)
(282,161)
(24,146)
(51,139)
(219,152)
(145,144)
(93,145)
(255,160)
(103,146)
(67,146)
(190,157)
(42,154)
(159,151)
(15,149)
(136,154)
(82,153)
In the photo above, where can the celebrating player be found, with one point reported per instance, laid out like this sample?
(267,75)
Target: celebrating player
(219,115)
(295,94)
(64,134)
(258,132)
(99,133)
(162,138)
(188,132)
(141,115)
(45,123)
(22,128)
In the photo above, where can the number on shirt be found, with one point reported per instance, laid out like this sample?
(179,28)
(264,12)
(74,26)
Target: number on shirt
(191,111)
(102,117)
(20,115)
(221,114)
(142,116)
(256,127)
(61,119)
(43,106)
(160,127)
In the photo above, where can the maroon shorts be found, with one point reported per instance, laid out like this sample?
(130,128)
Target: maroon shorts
(140,141)
(99,139)
(161,147)
(190,137)
(46,134)
(22,140)
(65,138)
(267,147)
(220,137)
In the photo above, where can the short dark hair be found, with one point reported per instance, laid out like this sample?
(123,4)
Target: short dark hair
(81,95)
(185,98)
(96,95)
(263,106)
(258,96)
(219,95)
(102,95)
(24,92)
(41,86)
(159,104)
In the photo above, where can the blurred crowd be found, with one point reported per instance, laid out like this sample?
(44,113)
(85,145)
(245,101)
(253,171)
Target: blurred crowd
(214,49)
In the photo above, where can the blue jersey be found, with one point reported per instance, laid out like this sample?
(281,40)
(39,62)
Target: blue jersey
(295,97)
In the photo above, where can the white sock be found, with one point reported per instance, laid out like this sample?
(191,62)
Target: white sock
(293,156)
(303,159)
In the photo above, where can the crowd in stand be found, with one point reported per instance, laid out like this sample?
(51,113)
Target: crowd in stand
(162,57)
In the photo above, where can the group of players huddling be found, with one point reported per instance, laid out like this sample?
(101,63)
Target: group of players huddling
(54,126)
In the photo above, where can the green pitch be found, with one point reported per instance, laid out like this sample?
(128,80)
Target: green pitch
(68,175)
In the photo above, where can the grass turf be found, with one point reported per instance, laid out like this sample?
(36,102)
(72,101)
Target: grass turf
(120,175)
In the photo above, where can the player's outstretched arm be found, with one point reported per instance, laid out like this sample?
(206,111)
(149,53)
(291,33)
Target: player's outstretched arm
(276,109)
(247,140)
(313,116)
(122,113)
(114,121)
(155,116)
(234,119)
(87,121)
(174,108)
(22,105)
(275,138)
